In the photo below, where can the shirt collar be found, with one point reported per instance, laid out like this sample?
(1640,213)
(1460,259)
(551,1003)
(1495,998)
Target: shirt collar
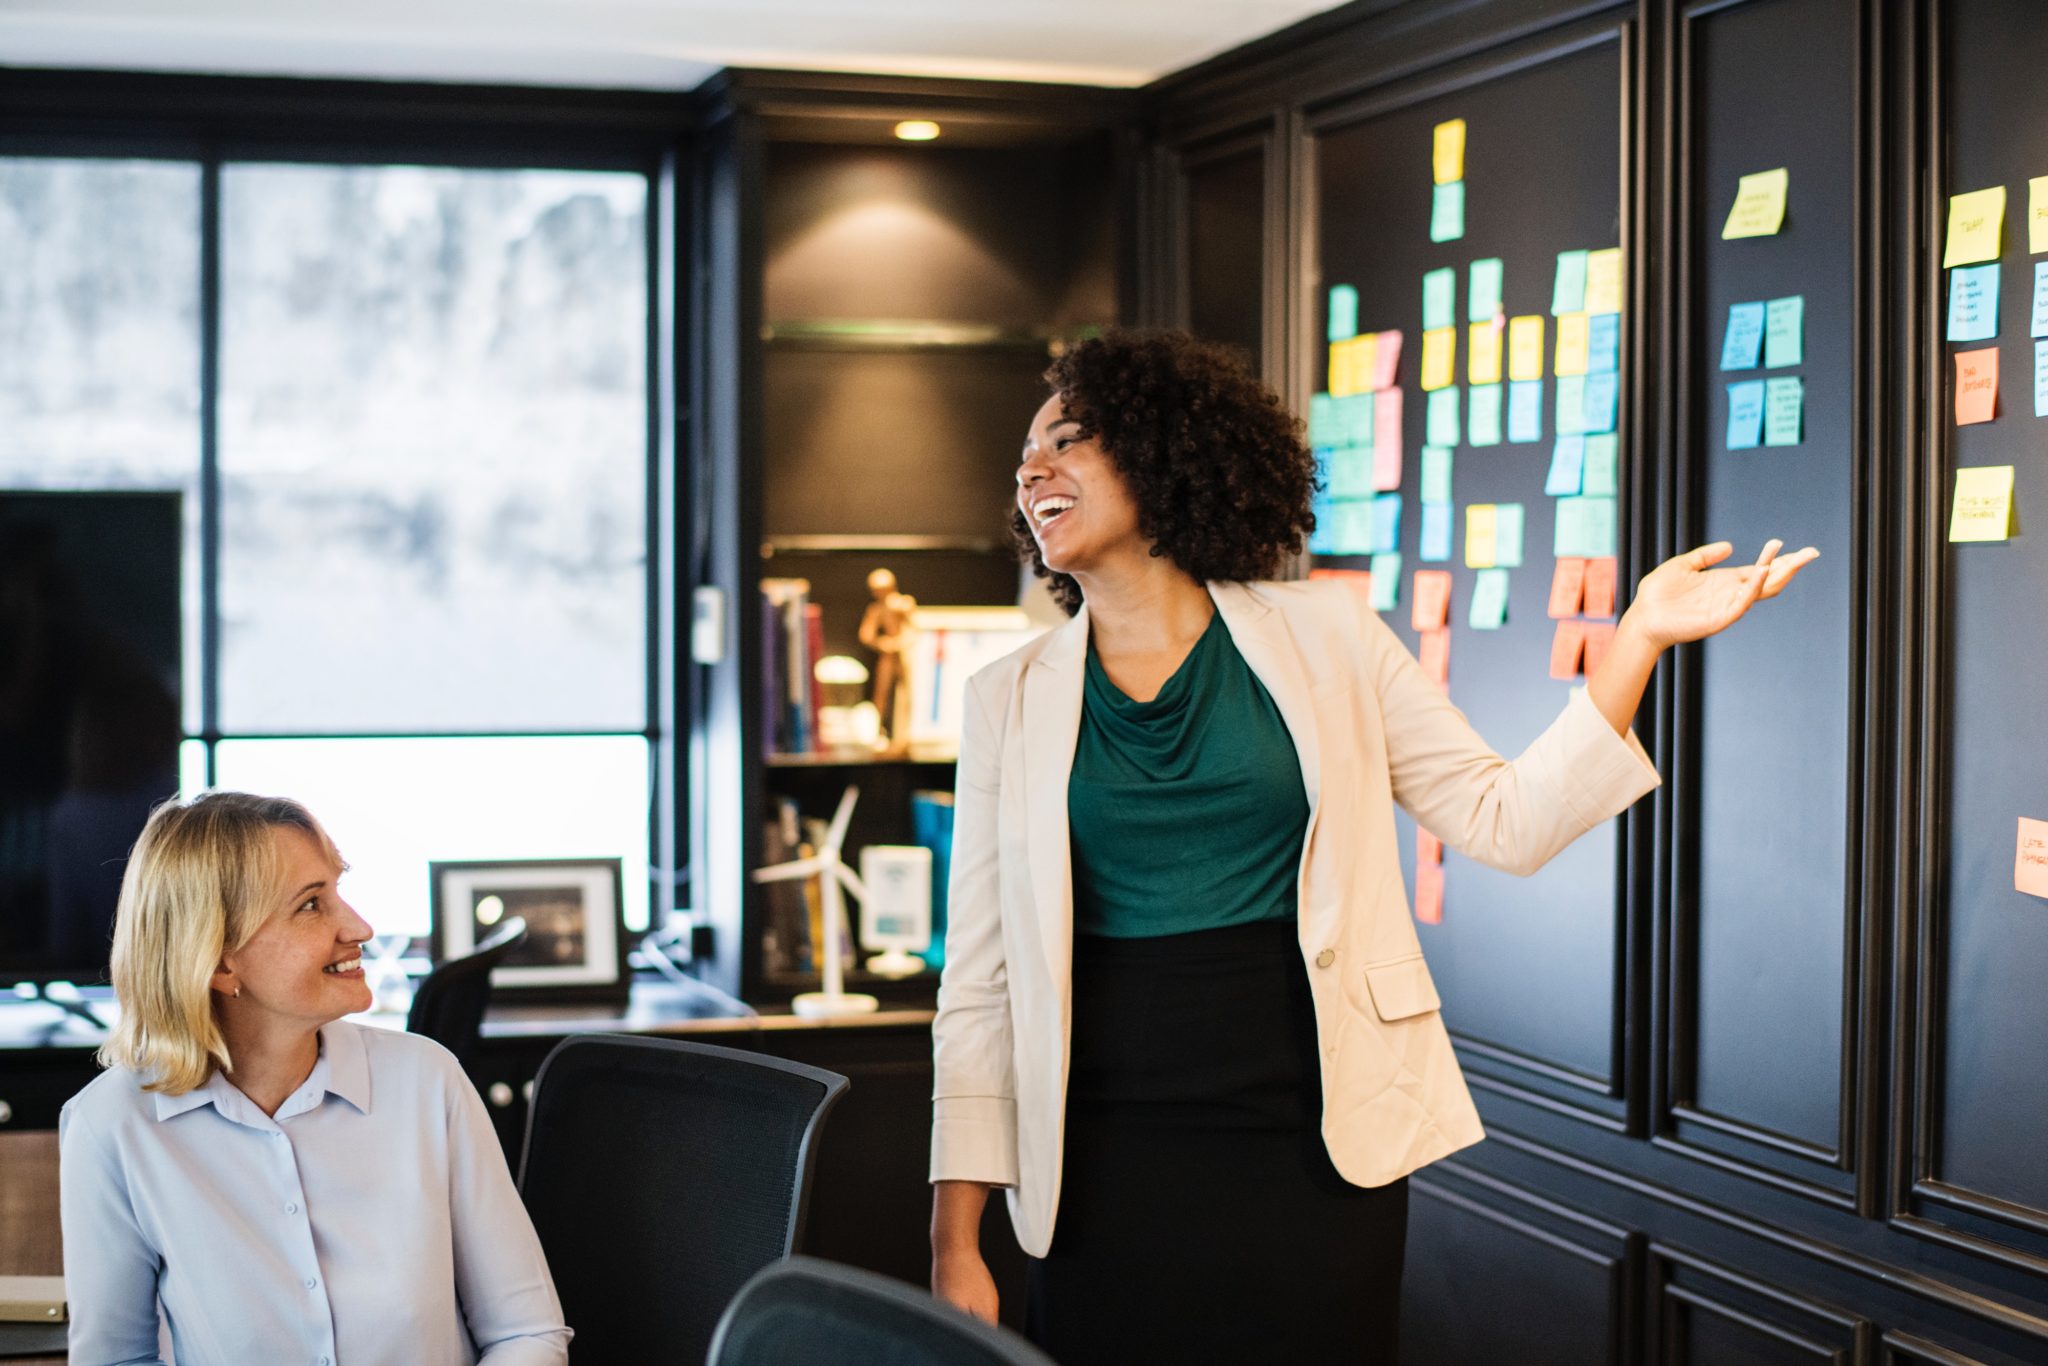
(342,1069)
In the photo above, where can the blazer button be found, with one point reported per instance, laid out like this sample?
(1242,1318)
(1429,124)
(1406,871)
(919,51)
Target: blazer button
(1326,957)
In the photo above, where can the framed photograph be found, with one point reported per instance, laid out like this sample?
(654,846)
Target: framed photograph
(575,945)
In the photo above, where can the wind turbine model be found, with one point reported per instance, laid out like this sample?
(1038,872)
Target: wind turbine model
(831,871)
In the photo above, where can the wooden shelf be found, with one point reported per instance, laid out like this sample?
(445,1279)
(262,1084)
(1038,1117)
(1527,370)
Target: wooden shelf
(857,761)
(850,334)
(772,546)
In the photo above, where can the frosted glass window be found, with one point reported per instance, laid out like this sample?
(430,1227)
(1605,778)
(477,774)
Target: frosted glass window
(433,449)
(395,805)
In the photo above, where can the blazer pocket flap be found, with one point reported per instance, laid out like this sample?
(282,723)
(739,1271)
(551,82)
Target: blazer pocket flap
(1401,988)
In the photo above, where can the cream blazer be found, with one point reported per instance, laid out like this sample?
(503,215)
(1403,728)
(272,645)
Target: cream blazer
(1370,730)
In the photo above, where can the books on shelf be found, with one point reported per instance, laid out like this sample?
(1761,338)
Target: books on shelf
(791,631)
(947,646)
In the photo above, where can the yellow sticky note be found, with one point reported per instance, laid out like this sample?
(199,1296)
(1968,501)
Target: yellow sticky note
(1572,342)
(1525,347)
(2030,859)
(1759,208)
(1974,223)
(1449,151)
(1603,281)
(1482,362)
(1439,358)
(1983,508)
(1479,528)
(1351,365)
(2037,214)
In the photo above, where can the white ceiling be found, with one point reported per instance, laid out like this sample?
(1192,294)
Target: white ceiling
(653,44)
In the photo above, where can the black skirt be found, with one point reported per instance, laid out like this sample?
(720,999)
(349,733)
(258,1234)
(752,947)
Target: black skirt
(1200,1219)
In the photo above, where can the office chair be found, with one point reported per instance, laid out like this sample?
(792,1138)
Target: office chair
(449,1005)
(806,1312)
(660,1175)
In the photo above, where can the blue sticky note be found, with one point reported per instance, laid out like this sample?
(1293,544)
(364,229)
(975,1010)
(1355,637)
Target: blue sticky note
(1489,600)
(1603,343)
(1603,458)
(1482,425)
(1742,345)
(1507,535)
(1568,294)
(1386,581)
(1436,475)
(1784,331)
(2040,327)
(1439,299)
(2041,377)
(1323,540)
(1436,531)
(1343,313)
(1746,415)
(1482,293)
(1447,212)
(1386,523)
(1441,428)
(1782,402)
(1603,402)
(1567,467)
(1973,303)
(1571,405)
(1525,410)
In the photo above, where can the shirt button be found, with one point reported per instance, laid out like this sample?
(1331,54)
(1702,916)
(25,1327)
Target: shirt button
(291,1209)
(1326,957)
(324,1362)
(310,1283)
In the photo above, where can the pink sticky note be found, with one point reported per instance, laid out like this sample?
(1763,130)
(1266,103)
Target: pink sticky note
(2030,861)
(1432,595)
(1428,848)
(1386,457)
(1386,429)
(1976,386)
(1429,893)
(1386,361)
(1436,657)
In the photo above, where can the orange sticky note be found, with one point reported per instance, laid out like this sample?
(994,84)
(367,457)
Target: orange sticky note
(1432,606)
(1482,363)
(1567,587)
(1358,581)
(1600,587)
(1436,656)
(2030,862)
(1428,848)
(1599,636)
(1976,385)
(1566,648)
(1429,893)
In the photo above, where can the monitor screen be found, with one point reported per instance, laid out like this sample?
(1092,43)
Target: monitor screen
(90,719)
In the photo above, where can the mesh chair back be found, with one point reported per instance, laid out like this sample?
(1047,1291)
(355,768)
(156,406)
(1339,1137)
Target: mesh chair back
(660,1175)
(449,1005)
(805,1312)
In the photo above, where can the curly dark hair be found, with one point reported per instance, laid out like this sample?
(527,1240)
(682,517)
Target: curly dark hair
(1217,467)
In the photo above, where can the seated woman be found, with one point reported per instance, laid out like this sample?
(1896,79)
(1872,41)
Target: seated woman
(290,1187)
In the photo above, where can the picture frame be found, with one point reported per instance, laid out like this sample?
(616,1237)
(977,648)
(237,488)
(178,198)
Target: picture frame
(576,933)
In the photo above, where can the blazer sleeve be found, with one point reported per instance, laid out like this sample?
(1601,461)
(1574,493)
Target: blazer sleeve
(1510,814)
(974,1094)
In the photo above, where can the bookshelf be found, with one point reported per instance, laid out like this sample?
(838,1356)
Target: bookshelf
(876,316)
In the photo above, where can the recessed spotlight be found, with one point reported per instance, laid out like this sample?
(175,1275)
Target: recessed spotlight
(917,130)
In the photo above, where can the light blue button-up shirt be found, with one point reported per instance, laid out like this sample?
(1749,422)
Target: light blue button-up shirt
(371,1221)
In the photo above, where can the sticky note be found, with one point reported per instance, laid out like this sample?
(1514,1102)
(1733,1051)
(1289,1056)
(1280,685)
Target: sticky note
(1441,426)
(1348,472)
(1973,303)
(1429,887)
(1567,467)
(1783,400)
(2037,214)
(2038,326)
(1574,341)
(1436,474)
(1489,600)
(1525,347)
(1759,208)
(1482,290)
(1483,353)
(1479,524)
(1439,300)
(1436,532)
(1571,405)
(1430,609)
(1447,151)
(1387,408)
(1567,647)
(1603,281)
(1785,331)
(1603,402)
(1568,293)
(1525,411)
(1976,386)
(1439,358)
(1975,222)
(1482,425)
(2030,858)
(1585,527)
(1386,466)
(1600,576)
(1351,365)
(1386,581)
(1428,848)
(1386,359)
(1742,345)
(1436,660)
(1447,212)
(1567,586)
(1603,455)
(1343,312)
(1746,415)
(2041,378)
(1603,343)
(1599,639)
(1507,535)
(1322,419)
(1386,522)
(1983,506)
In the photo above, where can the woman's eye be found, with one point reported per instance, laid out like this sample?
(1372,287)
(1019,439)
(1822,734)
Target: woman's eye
(311,903)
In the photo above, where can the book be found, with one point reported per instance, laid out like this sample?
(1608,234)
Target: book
(32,1299)
(931,825)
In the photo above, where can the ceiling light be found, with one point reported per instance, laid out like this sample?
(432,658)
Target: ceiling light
(917,130)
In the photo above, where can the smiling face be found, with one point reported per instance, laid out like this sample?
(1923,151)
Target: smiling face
(1077,505)
(304,966)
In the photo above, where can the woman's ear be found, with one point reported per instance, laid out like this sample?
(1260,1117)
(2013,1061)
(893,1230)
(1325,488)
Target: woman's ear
(224,981)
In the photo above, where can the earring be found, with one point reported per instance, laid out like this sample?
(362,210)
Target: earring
(238,993)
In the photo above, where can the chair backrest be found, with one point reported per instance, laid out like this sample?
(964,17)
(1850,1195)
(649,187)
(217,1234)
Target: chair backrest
(806,1312)
(449,1005)
(660,1175)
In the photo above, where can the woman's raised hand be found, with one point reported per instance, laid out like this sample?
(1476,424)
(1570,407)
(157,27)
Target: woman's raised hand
(1687,598)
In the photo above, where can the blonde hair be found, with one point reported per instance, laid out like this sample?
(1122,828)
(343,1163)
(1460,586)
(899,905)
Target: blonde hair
(201,880)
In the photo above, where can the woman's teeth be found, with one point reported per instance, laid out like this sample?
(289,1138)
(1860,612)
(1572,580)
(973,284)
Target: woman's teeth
(352,965)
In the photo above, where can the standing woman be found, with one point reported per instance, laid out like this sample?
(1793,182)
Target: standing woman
(288,1186)
(1184,1007)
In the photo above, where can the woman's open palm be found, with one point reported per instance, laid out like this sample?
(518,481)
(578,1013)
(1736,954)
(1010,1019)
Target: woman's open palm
(1687,598)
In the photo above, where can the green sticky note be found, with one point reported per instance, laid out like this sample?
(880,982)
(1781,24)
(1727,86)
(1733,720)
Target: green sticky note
(1441,428)
(1482,426)
(1386,581)
(1489,600)
(1507,534)
(1784,326)
(1570,530)
(1782,402)
(1603,454)
(1439,299)
(1343,312)
(1482,295)
(1354,420)
(1436,474)
(1447,212)
(1571,405)
(1322,420)
(1348,472)
(1568,295)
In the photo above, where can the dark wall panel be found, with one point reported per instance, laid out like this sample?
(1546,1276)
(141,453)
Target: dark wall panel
(1226,235)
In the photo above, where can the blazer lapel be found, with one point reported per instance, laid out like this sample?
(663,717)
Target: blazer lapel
(1052,726)
(1262,638)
